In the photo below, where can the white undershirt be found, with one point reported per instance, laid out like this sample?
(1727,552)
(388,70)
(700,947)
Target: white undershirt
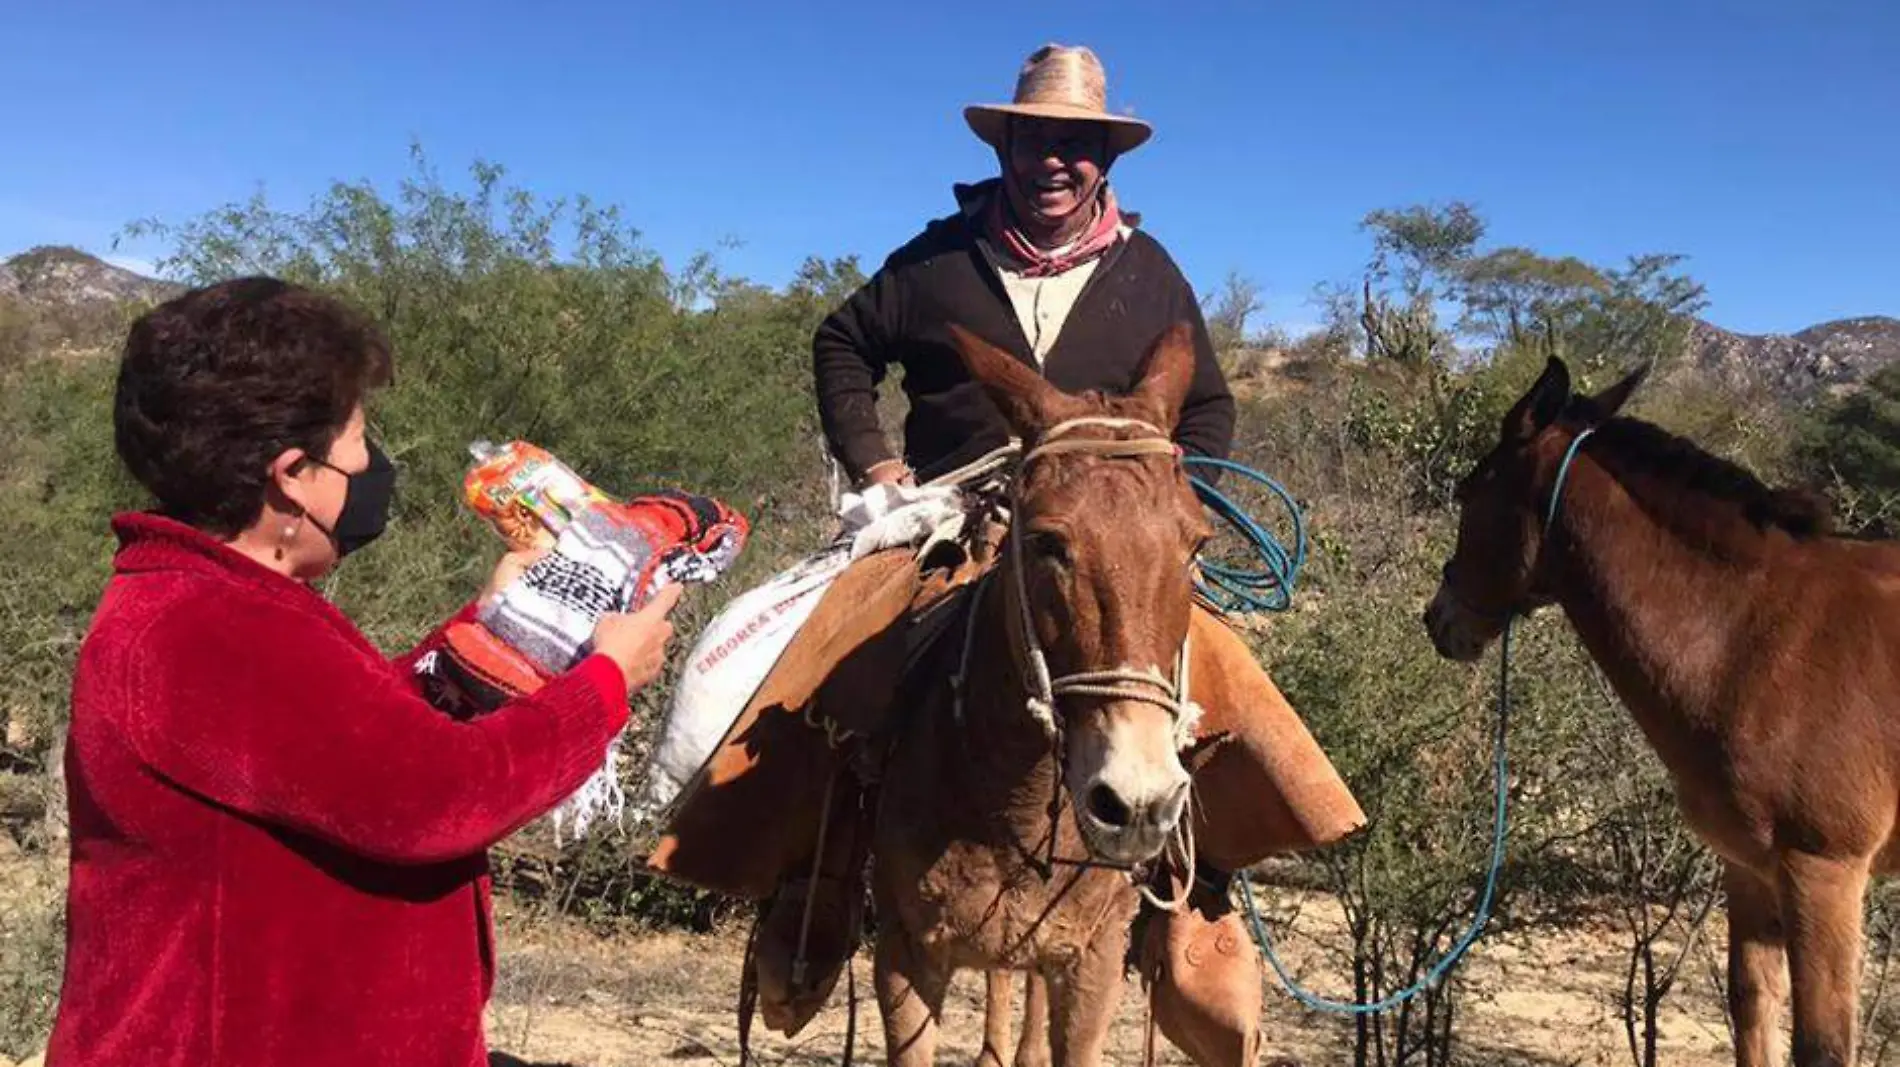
(1042,304)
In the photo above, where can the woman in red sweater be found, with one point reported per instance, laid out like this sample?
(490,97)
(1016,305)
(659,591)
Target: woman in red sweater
(278,848)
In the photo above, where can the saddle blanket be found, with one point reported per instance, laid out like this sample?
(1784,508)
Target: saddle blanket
(612,557)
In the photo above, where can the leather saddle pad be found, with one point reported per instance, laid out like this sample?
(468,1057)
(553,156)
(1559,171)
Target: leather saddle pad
(743,820)
(746,819)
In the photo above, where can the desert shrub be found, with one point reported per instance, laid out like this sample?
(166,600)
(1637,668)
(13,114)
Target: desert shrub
(1847,446)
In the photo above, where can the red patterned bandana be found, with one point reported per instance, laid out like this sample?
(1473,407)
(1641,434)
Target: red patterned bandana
(1033,262)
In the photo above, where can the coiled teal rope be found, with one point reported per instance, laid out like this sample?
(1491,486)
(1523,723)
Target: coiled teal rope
(1245,590)
(1280,569)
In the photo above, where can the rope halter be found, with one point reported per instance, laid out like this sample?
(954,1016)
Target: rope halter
(1123,681)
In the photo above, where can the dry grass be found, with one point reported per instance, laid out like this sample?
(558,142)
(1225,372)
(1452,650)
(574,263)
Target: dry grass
(32,886)
(635,998)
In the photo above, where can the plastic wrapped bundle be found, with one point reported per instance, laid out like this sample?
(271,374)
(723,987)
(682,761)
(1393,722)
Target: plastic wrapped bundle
(604,556)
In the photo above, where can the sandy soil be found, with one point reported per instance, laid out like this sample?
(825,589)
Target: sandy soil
(566,996)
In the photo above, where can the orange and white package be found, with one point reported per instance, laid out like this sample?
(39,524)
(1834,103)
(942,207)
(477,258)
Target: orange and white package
(526,494)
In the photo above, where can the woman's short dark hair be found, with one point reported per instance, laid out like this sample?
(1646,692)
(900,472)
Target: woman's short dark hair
(218,382)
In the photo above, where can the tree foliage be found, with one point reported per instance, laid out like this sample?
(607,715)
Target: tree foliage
(1230,309)
(1852,446)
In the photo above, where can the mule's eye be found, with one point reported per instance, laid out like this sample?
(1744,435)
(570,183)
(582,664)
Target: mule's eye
(1050,547)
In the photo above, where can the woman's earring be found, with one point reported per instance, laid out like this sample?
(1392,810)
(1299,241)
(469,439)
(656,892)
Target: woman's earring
(284,539)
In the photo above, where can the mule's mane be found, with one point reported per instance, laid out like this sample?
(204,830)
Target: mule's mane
(1643,448)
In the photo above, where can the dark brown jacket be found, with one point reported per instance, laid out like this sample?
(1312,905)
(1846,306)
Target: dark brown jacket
(901,318)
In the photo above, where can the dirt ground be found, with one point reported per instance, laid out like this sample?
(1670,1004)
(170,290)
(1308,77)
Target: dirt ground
(569,997)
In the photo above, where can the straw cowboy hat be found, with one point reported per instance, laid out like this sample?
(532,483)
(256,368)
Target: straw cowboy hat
(1059,82)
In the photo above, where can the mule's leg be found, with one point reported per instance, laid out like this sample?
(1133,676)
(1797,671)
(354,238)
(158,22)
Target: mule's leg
(996,1012)
(1821,902)
(1082,1002)
(1034,1049)
(1757,967)
(910,997)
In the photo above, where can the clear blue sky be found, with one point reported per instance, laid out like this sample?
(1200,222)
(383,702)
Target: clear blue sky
(1761,139)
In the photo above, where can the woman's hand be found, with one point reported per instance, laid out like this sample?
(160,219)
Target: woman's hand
(511,567)
(636,642)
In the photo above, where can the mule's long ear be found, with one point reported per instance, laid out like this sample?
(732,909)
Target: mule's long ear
(1540,406)
(1028,402)
(1607,403)
(1168,373)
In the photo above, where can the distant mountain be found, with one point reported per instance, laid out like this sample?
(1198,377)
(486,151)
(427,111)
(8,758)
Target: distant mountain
(1820,359)
(56,275)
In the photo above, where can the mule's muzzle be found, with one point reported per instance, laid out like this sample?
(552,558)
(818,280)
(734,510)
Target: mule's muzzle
(1119,829)
(1457,632)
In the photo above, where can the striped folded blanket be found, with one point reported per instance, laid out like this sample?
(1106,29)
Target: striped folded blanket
(612,558)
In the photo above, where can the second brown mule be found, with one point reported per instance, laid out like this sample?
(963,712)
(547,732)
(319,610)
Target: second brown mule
(1759,655)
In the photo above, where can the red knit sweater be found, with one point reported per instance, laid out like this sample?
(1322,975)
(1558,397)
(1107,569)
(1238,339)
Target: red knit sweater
(278,849)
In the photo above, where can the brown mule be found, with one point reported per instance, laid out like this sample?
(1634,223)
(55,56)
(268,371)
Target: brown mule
(749,820)
(1264,788)
(1204,982)
(1001,820)
(1759,656)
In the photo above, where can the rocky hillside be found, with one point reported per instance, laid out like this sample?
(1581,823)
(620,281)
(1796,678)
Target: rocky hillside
(1820,359)
(54,275)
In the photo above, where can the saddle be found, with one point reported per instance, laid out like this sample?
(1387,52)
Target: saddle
(750,816)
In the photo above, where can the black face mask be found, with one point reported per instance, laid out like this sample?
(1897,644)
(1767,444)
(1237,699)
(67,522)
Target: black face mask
(365,503)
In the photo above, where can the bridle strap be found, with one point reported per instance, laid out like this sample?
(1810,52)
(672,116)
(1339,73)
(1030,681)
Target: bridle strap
(1563,476)
(1153,442)
(1553,506)
(1140,446)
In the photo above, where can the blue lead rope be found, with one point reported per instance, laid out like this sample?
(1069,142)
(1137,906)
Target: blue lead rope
(1243,590)
(1479,918)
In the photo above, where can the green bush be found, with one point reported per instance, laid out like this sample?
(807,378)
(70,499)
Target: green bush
(31,943)
(1851,447)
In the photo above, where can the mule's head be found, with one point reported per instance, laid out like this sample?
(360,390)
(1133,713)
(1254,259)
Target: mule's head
(1107,541)
(1495,570)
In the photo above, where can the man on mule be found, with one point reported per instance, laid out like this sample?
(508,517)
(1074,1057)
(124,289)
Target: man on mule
(1041,263)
